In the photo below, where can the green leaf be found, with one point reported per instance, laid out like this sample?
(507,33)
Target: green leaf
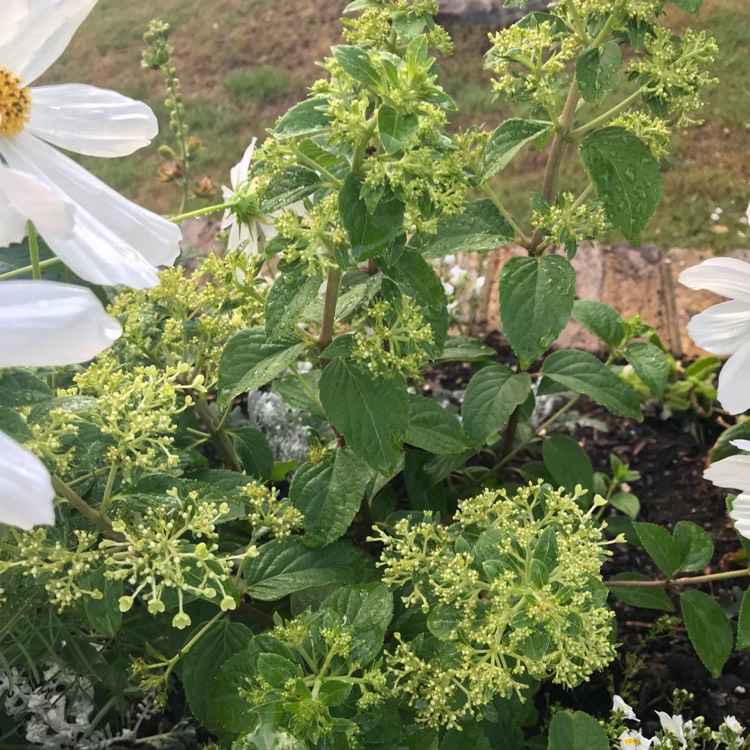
(288,297)
(295,183)
(723,447)
(334,692)
(102,615)
(356,62)
(691,6)
(371,413)
(596,71)
(568,463)
(309,117)
(264,737)
(505,142)
(229,710)
(396,130)
(481,228)
(14,425)
(204,659)
(254,451)
(443,620)
(576,731)
(660,546)
(545,551)
(492,396)
(248,362)
(329,495)
(627,503)
(365,605)
(695,545)
(369,232)
(626,177)
(708,628)
(536,299)
(647,597)
(601,320)
(465,349)
(303,396)
(743,622)
(584,373)
(289,566)
(20,388)
(650,364)
(433,428)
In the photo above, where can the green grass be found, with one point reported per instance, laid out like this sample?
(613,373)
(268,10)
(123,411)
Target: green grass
(261,84)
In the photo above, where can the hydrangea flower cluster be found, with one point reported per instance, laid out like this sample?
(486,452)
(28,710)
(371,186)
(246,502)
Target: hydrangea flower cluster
(511,588)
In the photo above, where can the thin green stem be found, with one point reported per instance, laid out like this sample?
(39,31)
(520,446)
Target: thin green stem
(98,519)
(107,498)
(577,20)
(359,153)
(583,196)
(604,33)
(684,581)
(306,388)
(201,212)
(219,437)
(36,269)
(29,269)
(608,115)
(521,237)
(308,162)
(329,310)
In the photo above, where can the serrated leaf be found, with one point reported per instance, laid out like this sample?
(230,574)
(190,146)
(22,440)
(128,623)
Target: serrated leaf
(301,393)
(362,605)
(289,566)
(647,597)
(14,425)
(596,71)
(356,62)
(723,447)
(465,349)
(395,129)
(584,373)
(371,413)
(295,183)
(626,177)
(248,362)
(329,495)
(432,428)
(254,451)
(481,228)
(576,731)
(536,299)
(492,396)
(650,364)
(443,620)
(568,463)
(229,709)
(20,388)
(627,503)
(708,629)
(370,232)
(102,615)
(660,546)
(695,546)
(288,297)
(505,142)
(306,118)
(601,320)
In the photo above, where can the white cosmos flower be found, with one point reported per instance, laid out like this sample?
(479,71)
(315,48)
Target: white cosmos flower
(725,328)
(42,323)
(618,704)
(244,231)
(733,473)
(114,241)
(633,740)
(673,725)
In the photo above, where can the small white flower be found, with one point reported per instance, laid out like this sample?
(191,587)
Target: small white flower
(618,704)
(725,328)
(479,284)
(733,725)
(449,288)
(733,472)
(633,740)
(673,725)
(114,241)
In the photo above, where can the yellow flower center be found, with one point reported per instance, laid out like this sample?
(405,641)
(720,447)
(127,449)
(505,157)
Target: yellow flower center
(15,103)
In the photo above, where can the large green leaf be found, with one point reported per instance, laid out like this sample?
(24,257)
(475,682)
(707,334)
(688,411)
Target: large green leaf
(568,463)
(708,628)
(433,428)
(356,62)
(660,546)
(369,232)
(576,731)
(695,545)
(648,597)
(371,413)
(329,494)
(254,451)
(364,605)
(601,320)
(491,397)
(20,388)
(286,567)
(248,362)
(596,71)
(306,118)
(506,141)
(396,130)
(290,294)
(465,349)
(626,177)
(584,373)
(536,299)
(295,183)
(650,364)
(481,228)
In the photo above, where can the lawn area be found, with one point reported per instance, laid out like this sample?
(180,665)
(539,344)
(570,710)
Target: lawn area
(244,62)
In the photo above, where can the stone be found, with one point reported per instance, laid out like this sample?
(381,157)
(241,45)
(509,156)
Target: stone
(485,12)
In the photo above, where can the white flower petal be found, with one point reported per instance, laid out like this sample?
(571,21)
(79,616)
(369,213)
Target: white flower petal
(31,199)
(15,13)
(26,492)
(740,514)
(238,173)
(723,328)
(43,35)
(43,323)
(115,240)
(90,120)
(743,445)
(728,277)
(734,393)
(732,472)
(12,223)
